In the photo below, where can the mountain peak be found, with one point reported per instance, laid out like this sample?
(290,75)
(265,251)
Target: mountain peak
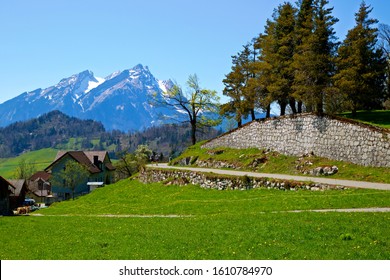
(140,67)
(119,101)
(82,77)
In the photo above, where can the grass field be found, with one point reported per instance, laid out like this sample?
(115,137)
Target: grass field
(41,159)
(378,118)
(130,220)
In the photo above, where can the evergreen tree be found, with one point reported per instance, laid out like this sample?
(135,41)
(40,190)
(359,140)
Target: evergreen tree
(314,56)
(236,87)
(303,29)
(233,88)
(361,64)
(384,36)
(265,42)
(277,49)
(250,92)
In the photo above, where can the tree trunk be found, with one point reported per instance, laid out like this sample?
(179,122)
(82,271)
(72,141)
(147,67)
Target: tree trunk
(300,105)
(292,105)
(320,104)
(320,108)
(268,114)
(253,114)
(283,106)
(193,133)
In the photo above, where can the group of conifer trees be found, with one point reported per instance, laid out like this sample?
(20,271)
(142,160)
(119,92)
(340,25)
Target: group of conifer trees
(298,62)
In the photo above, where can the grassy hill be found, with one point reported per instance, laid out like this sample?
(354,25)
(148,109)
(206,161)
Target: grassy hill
(260,160)
(41,159)
(377,118)
(273,162)
(129,220)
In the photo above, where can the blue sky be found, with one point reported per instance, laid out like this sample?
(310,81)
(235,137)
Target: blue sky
(43,41)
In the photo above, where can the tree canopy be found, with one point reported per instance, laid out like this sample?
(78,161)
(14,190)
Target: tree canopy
(71,176)
(199,105)
(361,64)
(298,62)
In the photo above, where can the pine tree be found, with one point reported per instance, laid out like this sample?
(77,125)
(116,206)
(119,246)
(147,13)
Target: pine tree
(233,89)
(237,86)
(277,49)
(303,29)
(314,56)
(361,64)
(384,36)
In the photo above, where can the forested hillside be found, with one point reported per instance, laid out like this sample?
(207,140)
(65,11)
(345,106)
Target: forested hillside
(57,130)
(46,131)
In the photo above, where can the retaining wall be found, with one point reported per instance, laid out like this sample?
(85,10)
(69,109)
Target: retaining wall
(325,136)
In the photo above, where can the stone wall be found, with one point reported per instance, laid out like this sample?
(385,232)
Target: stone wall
(325,136)
(220,182)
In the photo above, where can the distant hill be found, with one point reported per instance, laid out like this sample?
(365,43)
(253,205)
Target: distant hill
(59,131)
(46,131)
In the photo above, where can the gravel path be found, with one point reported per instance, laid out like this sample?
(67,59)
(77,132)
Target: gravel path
(346,210)
(337,182)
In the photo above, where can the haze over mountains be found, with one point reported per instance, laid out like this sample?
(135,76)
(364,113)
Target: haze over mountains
(119,101)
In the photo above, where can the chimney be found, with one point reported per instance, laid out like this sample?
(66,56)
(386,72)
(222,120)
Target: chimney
(96,160)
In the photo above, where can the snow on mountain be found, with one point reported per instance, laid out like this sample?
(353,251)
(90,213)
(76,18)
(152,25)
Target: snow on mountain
(120,101)
(94,84)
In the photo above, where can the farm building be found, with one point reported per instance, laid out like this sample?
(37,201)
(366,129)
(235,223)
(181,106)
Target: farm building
(6,189)
(17,197)
(98,164)
(40,187)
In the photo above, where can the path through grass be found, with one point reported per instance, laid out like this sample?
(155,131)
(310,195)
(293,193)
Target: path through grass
(207,224)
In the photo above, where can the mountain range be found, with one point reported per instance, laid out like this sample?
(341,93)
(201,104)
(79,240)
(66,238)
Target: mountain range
(119,101)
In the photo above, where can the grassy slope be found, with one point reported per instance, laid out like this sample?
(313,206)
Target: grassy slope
(378,118)
(278,163)
(221,225)
(41,158)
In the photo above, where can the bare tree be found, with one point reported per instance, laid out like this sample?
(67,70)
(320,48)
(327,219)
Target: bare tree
(200,105)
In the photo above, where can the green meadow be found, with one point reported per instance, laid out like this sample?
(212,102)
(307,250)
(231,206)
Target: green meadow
(40,159)
(379,118)
(130,220)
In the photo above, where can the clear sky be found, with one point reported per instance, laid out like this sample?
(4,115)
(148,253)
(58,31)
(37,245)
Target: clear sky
(43,41)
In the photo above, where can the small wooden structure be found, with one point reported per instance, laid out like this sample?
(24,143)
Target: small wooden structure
(6,189)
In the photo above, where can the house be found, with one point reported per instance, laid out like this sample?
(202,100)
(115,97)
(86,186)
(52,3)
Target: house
(6,189)
(17,197)
(98,164)
(40,188)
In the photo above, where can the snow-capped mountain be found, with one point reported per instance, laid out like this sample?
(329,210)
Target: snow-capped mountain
(119,101)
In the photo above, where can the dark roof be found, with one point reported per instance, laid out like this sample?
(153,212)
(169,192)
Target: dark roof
(6,182)
(81,158)
(18,184)
(40,174)
(41,193)
(87,159)
(109,166)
